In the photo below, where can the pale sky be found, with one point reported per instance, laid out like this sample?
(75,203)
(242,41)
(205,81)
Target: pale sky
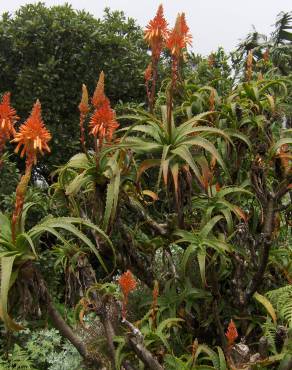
(212,23)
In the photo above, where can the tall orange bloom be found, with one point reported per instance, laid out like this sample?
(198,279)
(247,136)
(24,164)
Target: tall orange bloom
(211,60)
(84,109)
(148,77)
(83,106)
(286,159)
(212,100)
(156,32)
(155,294)
(249,61)
(179,37)
(103,120)
(127,283)
(155,35)
(177,41)
(266,55)
(33,135)
(99,95)
(8,119)
(148,73)
(231,333)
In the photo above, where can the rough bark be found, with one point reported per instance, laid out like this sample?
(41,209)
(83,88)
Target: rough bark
(60,324)
(264,249)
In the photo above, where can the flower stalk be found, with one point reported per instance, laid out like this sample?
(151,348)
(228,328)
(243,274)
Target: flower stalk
(84,109)
(155,35)
(154,308)
(103,120)
(127,283)
(177,41)
(32,138)
(231,333)
(249,62)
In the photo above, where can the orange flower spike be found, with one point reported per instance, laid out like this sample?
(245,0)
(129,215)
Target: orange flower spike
(231,333)
(84,109)
(99,96)
(179,37)
(266,55)
(83,106)
(111,128)
(285,158)
(211,60)
(8,118)
(156,32)
(33,135)
(212,100)
(127,283)
(148,73)
(249,62)
(20,196)
(155,294)
(260,76)
(103,121)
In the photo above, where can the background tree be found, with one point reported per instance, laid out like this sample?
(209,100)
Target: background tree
(279,45)
(47,53)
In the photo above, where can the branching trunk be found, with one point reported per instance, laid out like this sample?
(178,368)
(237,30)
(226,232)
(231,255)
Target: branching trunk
(105,318)
(60,324)
(145,356)
(65,329)
(264,249)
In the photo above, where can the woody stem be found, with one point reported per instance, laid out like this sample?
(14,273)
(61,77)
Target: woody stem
(170,94)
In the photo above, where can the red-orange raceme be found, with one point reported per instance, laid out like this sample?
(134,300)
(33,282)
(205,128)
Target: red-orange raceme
(127,282)
(99,95)
(249,62)
(34,138)
(231,333)
(84,109)
(33,135)
(103,120)
(156,33)
(8,118)
(179,37)
(83,106)
(148,73)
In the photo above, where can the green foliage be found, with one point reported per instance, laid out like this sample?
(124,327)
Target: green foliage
(278,44)
(42,349)
(19,359)
(281,299)
(173,148)
(15,253)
